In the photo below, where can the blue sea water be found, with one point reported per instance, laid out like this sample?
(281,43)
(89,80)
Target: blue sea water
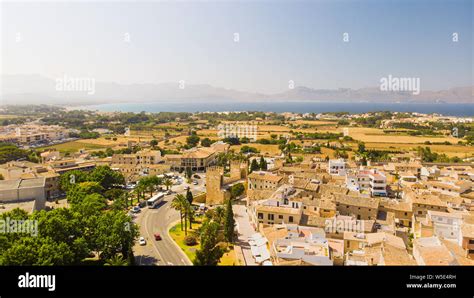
(447,109)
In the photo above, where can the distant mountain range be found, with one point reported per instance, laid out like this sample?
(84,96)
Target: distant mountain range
(36,89)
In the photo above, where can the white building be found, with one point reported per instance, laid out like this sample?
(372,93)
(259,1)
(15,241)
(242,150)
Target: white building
(337,167)
(452,188)
(446,225)
(372,181)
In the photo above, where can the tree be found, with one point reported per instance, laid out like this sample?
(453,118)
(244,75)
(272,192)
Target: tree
(192,140)
(113,194)
(178,203)
(139,191)
(206,142)
(361,147)
(190,213)
(189,196)
(217,214)
(254,166)
(209,253)
(37,251)
(115,233)
(154,143)
(232,141)
(70,178)
(78,192)
(116,260)
(109,152)
(168,183)
(263,164)
(189,173)
(150,183)
(248,149)
(106,177)
(91,205)
(229,222)
(9,152)
(236,190)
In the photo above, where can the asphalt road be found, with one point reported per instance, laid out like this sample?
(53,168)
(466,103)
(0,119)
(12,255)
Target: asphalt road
(159,220)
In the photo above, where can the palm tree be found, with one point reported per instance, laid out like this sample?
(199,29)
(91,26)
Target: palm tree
(128,197)
(156,182)
(116,260)
(178,203)
(143,184)
(168,183)
(139,189)
(219,214)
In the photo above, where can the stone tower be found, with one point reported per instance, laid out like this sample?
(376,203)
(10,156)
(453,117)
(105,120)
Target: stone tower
(238,170)
(214,183)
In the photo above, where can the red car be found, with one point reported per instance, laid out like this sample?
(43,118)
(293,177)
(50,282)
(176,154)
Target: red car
(157,237)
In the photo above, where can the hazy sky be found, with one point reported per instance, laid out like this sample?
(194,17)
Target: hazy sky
(279,41)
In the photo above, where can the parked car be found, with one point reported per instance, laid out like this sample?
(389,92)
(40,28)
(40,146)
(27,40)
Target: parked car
(197,176)
(186,187)
(195,182)
(142,241)
(168,192)
(157,236)
(136,209)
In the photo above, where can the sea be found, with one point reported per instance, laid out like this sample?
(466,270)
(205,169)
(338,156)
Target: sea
(447,109)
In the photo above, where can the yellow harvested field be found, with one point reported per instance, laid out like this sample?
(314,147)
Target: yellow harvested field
(272,128)
(450,150)
(74,146)
(9,116)
(175,140)
(264,149)
(207,133)
(313,122)
(103,142)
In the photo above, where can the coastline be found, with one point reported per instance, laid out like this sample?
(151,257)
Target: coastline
(445,109)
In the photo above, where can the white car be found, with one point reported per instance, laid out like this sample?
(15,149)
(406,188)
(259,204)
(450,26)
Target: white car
(142,241)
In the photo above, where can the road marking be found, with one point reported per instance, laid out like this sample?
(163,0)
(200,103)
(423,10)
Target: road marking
(169,263)
(160,257)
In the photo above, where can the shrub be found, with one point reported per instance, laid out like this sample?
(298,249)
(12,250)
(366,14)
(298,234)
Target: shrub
(190,240)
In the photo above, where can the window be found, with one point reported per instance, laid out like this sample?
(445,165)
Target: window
(260,216)
(270,216)
(290,219)
(280,216)
(471,241)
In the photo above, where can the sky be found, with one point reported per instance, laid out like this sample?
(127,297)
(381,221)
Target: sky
(278,41)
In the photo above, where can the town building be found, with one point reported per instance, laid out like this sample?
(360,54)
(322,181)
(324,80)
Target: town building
(337,167)
(21,190)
